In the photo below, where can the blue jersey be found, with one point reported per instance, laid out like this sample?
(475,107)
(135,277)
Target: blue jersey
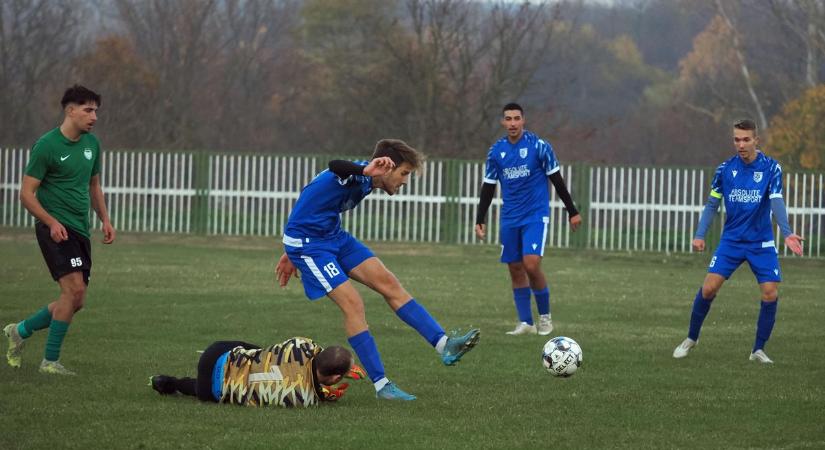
(522,170)
(747,190)
(317,213)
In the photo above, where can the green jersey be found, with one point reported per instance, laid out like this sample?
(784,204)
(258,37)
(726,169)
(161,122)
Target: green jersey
(65,169)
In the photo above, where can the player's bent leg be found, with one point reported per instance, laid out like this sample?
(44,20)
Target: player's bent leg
(358,334)
(374,274)
(352,307)
(72,293)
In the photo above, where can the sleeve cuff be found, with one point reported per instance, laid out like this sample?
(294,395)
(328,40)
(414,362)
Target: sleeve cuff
(775,196)
(553,170)
(490,181)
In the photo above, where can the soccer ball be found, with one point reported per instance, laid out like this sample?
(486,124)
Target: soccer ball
(562,356)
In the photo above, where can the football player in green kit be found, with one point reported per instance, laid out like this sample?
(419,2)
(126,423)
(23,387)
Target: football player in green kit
(61,180)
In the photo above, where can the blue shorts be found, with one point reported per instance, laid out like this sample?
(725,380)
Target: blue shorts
(764,261)
(325,263)
(523,240)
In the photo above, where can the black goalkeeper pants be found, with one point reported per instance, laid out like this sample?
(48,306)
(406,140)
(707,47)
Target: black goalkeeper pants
(202,386)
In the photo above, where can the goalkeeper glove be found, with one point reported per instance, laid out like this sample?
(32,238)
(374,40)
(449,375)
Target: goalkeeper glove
(333,393)
(356,372)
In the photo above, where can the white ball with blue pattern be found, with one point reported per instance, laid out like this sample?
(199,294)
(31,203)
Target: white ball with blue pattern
(561,356)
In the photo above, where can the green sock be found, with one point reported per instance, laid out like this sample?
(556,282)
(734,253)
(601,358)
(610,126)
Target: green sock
(39,320)
(57,331)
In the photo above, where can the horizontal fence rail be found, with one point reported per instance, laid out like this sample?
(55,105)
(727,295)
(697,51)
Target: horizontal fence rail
(624,208)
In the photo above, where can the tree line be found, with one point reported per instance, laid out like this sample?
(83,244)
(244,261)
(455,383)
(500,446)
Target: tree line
(631,81)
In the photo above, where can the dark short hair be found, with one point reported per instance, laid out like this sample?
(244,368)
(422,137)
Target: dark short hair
(745,124)
(333,360)
(80,95)
(511,107)
(399,152)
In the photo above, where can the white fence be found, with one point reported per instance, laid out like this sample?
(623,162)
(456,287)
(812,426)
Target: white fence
(625,208)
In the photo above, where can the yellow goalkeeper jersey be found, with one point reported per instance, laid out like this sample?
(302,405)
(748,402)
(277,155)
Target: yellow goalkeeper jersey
(281,375)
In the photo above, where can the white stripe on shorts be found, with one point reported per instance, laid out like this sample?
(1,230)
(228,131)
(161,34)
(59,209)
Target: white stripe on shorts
(318,275)
(546,220)
(292,242)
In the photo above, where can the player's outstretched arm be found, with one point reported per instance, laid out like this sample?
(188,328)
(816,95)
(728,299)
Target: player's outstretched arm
(792,241)
(284,270)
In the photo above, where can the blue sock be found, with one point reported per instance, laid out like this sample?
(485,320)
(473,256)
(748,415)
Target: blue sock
(364,346)
(543,300)
(764,325)
(522,298)
(417,317)
(701,306)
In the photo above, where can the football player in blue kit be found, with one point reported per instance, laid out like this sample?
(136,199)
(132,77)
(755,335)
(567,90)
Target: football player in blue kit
(751,185)
(522,163)
(327,257)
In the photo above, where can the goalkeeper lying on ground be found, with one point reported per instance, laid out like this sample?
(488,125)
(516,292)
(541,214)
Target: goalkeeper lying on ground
(296,372)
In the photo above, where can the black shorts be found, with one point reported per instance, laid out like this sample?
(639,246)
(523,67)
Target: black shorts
(72,255)
(206,365)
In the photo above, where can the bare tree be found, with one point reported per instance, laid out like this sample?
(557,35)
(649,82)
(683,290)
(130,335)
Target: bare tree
(805,20)
(252,73)
(38,40)
(743,65)
(177,41)
(463,59)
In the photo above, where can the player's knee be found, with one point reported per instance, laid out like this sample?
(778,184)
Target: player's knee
(532,267)
(353,308)
(770,294)
(76,295)
(709,291)
(516,269)
(388,285)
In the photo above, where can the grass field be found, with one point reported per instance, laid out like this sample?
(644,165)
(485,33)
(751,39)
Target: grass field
(155,300)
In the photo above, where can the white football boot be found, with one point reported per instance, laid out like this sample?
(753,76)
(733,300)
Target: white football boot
(760,356)
(523,328)
(545,326)
(54,368)
(682,350)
